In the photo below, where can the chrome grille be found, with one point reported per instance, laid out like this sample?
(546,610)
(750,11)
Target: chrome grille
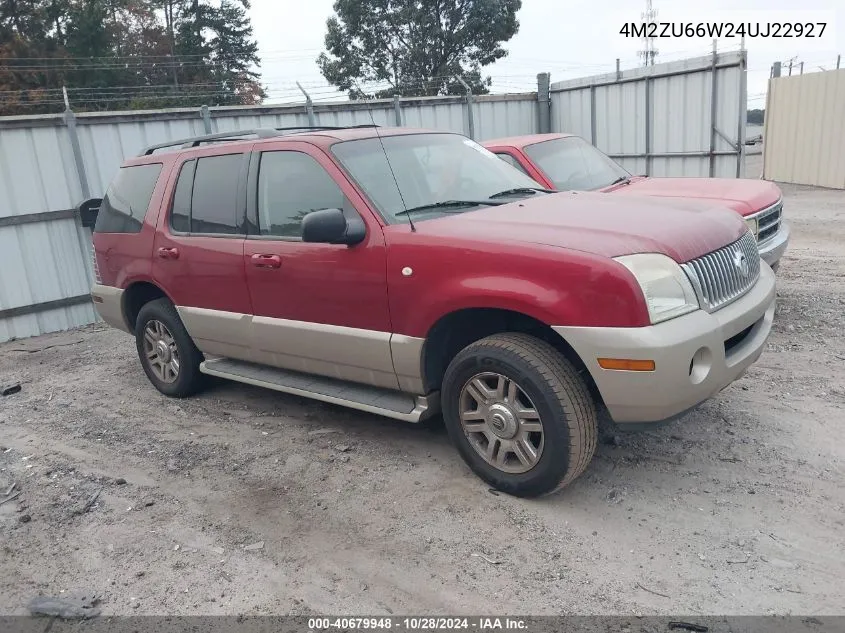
(768,221)
(726,274)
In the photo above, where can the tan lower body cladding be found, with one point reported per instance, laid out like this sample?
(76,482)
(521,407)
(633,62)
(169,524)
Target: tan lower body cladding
(381,359)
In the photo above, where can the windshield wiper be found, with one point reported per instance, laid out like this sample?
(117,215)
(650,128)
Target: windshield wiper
(621,179)
(518,190)
(449,203)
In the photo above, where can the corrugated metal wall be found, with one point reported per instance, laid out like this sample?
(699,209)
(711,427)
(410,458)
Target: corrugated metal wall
(804,133)
(659,120)
(45,260)
(41,262)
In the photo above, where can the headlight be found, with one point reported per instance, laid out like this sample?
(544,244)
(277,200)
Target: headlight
(751,223)
(667,289)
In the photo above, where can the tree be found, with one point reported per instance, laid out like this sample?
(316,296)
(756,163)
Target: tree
(755,117)
(118,54)
(416,47)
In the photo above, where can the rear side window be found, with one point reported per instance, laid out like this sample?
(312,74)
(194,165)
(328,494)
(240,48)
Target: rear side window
(215,194)
(127,199)
(180,214)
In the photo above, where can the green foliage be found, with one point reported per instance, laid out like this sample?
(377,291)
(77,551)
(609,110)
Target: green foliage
(416,47)
(119,54)
(755,117)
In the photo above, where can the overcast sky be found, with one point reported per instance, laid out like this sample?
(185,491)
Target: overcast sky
(568,38)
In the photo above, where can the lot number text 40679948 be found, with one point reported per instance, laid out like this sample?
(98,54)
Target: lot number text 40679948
(421,623)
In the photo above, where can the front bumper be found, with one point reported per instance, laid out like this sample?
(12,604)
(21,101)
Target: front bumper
(695,355)
(773,248)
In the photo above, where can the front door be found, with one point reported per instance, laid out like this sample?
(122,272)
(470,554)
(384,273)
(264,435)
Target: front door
(198,253)
(318,308)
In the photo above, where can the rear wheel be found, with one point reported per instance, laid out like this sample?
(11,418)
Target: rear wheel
(168,355)
(519,413)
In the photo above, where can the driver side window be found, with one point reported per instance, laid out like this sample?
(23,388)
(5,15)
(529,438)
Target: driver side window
(290,186)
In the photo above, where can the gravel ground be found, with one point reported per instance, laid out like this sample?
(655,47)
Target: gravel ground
(247,501)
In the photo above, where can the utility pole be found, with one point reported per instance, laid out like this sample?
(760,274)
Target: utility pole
(789,64)
(649,51)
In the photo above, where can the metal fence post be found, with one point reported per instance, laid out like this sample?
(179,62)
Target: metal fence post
(838,59)
(205,113)
(544,104)
(470,119)
(593,115)
(309,106)
(742,118)
(713,111)
(647,108)
(397,110)
(776,69)
(70,124)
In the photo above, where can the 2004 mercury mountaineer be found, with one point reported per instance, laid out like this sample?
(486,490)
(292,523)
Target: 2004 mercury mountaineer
(402,272)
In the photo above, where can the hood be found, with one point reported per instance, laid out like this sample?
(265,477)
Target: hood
(600,224)
(743,195)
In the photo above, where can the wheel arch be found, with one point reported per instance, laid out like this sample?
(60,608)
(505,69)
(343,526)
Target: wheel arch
(455,330)
(136,295)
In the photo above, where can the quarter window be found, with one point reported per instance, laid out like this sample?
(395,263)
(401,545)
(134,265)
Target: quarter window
(125,203)
(290,186)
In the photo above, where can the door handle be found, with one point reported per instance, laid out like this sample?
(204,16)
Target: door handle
(266,261)
(168,253)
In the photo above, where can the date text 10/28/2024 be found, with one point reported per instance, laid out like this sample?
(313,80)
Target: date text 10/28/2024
(723,29)
(418,623)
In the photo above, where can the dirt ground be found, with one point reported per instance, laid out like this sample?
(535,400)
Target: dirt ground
(248,501)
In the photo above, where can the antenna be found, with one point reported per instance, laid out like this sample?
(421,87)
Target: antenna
(386,158)
(649,52)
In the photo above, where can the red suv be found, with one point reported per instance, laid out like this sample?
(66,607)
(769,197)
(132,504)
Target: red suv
(566,162)
(402,272)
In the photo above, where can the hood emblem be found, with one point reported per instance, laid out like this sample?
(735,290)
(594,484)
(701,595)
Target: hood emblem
(741,263)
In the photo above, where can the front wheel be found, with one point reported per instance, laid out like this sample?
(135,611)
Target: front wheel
(519,413)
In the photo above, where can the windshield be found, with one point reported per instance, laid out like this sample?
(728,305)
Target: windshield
(571,163)
(430,169)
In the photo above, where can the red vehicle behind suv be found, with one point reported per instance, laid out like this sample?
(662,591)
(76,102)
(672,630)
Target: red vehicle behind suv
(565,162)
(401,271)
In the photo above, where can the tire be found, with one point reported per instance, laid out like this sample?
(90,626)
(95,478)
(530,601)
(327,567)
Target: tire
(775,266)
(546,384)
(187,379)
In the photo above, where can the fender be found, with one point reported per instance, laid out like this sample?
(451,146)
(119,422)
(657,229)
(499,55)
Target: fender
(553,285)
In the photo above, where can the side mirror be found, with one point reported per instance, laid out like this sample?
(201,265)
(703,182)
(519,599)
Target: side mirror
(330,226)
(88,211)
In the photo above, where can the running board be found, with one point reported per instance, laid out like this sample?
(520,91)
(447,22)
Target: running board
(386,402)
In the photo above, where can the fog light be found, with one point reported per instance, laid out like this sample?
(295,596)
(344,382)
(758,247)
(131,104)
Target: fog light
(700,365)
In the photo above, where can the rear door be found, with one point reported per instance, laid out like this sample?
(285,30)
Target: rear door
(198,252)
(318,308)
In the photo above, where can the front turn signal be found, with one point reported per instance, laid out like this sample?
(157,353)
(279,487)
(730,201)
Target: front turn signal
(626,364)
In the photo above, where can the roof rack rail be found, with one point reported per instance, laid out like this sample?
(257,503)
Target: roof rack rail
(236,135)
